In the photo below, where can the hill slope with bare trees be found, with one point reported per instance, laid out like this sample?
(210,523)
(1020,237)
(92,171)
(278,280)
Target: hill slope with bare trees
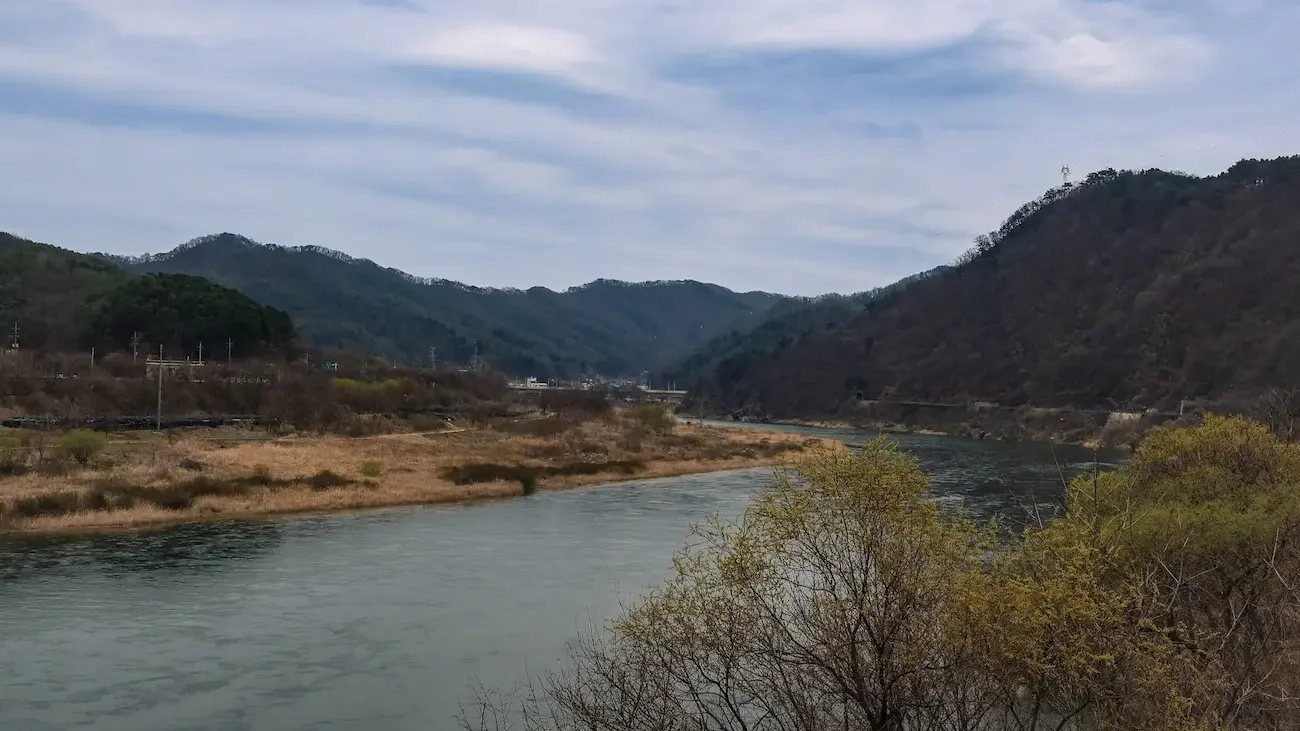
(1127,290)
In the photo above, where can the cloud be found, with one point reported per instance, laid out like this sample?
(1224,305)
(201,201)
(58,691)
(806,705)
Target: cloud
(791,145)
(513,47)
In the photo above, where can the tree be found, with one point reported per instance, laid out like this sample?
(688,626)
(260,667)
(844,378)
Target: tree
(1202,532)
(181,311)
(828,606)
(1164,599)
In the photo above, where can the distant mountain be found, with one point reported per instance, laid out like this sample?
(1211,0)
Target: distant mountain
(64,301)
(786,324)
(1129,290)
(606,327)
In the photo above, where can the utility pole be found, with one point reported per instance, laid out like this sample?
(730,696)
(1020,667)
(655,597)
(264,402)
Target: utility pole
(158,423)
(135,346)
(92,359)
(433,358)
(230,348)
(200,353)
(13,340)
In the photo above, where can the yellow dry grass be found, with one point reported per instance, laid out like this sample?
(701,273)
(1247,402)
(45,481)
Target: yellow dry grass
(412,470)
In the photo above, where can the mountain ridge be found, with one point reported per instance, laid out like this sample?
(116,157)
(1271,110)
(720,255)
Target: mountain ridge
(63,301)
(227,238)
(606,327)
(1128,290)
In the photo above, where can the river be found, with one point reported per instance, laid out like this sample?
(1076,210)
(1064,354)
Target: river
(378,620)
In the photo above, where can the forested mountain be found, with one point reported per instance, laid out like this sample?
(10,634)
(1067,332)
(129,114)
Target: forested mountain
(184,312)
(65,301)
(1130,289)
(605,327)
(47,291)
(791,320)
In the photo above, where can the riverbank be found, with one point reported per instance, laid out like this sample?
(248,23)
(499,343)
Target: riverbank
(1086,428)
(153,481)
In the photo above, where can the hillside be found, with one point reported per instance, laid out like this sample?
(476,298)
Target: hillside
(1131,289)
(605,327)
(793,319)
(65,301)
(46,290)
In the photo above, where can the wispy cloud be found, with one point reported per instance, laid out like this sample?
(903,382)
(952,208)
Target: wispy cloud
(794,145)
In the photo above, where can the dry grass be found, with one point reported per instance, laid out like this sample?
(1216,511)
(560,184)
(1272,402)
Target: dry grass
(157,481)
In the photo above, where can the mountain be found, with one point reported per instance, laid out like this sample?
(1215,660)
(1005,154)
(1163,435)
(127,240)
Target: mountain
(46,291)
(1130,289)
(65,301)
(606,327)
(793,319)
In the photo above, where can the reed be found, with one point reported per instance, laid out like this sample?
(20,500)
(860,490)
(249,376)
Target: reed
(155,482)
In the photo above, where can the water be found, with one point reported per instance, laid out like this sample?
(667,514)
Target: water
(379,620)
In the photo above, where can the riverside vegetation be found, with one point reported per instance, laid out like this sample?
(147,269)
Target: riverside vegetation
(86,480)
(1164,597)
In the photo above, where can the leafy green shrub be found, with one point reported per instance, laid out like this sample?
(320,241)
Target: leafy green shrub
(82,445)
(371,468)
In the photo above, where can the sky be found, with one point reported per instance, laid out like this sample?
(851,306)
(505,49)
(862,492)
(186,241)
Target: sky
(797,146)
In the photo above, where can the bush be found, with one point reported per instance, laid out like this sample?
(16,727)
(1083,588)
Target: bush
(544,428)
(371,469)
(82,445)
(654,418)
(426,423)
(528,475)
(14,457)
(261,475)
(325,479)
(1167,597)
(193,465)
